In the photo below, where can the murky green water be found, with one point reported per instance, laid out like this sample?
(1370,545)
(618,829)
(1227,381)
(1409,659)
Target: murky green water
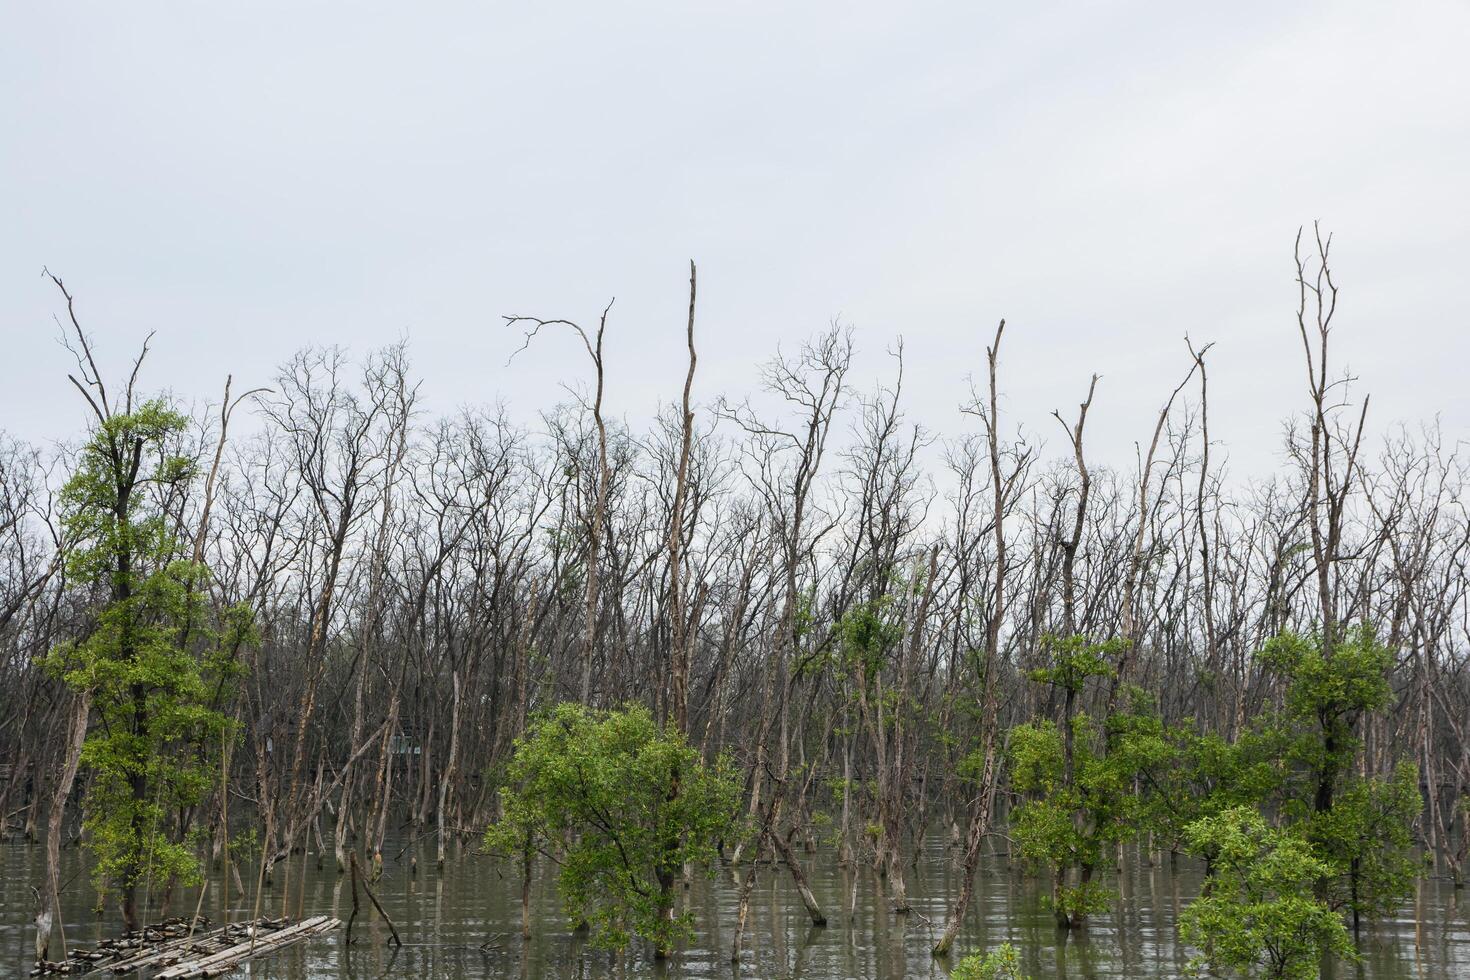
(465,923)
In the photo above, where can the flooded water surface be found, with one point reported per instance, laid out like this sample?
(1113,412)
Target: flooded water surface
(465,923)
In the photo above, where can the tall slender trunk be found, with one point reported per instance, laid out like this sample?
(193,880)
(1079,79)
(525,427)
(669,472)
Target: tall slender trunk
(448,774)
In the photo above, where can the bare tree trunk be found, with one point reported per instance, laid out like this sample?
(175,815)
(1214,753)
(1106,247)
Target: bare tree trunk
(384,794)
(678,624)
(448,773)
(979,826)
(72,757)
(798,876)
(1003,487)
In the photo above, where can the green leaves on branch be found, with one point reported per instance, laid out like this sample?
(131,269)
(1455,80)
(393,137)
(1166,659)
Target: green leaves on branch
(1074,660)
(1065,825)
(1358,825)
(1365,839)
(1079,795)
(1338,688)
(127,458)
(865,635)
(1259,914)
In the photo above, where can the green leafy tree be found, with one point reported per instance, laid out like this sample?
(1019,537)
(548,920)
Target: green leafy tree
(1360,826)
(1260,914)
(1327,695)
(154,663)
(1078,794)
(1274,896)
(621,805)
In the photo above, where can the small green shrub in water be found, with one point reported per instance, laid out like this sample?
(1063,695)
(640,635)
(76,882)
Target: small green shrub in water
(621,805)
(1001,963)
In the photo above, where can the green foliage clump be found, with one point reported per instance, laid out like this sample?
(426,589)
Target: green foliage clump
(1035,752)
(1088,783)
(1074,660)
(155,662)
(621,805)
(1260,914)
(1326,695)
(865,635)
(1185,775)
(1001,963)
(1066,824)
(1333,689)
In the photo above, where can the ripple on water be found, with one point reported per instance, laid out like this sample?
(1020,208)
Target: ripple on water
(466,924)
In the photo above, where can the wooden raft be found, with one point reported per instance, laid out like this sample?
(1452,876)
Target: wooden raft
(140,948)
(230,958)
(170,949)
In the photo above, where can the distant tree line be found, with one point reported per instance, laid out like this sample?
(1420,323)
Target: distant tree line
(281,646)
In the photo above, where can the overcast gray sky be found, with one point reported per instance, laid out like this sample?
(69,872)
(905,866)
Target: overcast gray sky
(245,178)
